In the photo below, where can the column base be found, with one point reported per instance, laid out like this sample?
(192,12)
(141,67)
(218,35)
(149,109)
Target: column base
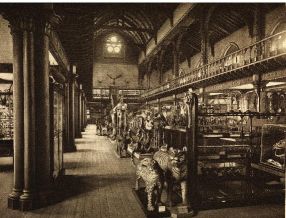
(13,199)
(29,201)
(70,148)
(78,136)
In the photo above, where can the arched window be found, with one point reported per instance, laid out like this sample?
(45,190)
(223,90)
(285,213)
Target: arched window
(278,42)
(113,46)
(231,59)
(279,27)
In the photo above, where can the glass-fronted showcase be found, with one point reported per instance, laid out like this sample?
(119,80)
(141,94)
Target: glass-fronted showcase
(58,110)
(6,119)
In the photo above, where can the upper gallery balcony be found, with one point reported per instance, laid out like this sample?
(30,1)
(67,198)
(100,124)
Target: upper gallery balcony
(263,56)
(100,94)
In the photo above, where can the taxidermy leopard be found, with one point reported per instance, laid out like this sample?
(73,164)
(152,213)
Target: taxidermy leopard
(149,171)
(173,163)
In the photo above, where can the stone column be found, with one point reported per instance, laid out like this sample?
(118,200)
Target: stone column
(18,108)
(79,111)
(71,94)
(67,120)
(29,119)
(82,112)
(32,109)
(76,110)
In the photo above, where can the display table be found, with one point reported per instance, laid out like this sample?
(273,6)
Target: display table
(268,169)
(175,136)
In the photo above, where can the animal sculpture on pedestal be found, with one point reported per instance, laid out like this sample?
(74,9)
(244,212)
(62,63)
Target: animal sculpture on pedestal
(173,163)
(149,171)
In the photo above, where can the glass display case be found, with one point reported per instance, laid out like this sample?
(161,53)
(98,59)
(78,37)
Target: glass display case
(6,119)
(6,111)
(58,131)
(273,144)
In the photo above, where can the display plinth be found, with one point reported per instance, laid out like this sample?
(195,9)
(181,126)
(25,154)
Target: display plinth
(141,197)
(182,212)
(177,211)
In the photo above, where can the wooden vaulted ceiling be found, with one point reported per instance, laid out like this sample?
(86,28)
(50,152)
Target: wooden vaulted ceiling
(83,23)
(224,19)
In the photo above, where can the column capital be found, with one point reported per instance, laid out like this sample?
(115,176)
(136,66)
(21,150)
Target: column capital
(31,18)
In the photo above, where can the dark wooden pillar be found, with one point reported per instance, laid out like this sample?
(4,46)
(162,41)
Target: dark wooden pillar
(175,60)
(159,105)
(259,28)
(203,96)
(159,63)
(259,22)
(259,88)
(204,40)
(192,152)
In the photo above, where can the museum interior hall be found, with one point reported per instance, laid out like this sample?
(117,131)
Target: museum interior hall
(114,110)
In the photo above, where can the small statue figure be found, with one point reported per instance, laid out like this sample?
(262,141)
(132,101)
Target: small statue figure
(173,163)
(149,171)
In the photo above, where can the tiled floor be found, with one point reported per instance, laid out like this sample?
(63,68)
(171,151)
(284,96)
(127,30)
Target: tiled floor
(100,186)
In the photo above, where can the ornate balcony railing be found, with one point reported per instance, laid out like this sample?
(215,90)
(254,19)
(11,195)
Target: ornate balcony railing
(104,93)
(262,51)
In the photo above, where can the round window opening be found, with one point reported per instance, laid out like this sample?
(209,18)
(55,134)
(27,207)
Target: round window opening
(113,45)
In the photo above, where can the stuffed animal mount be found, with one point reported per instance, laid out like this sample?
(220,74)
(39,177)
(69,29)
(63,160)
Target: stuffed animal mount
(173,163)
(149,171)
(167,166)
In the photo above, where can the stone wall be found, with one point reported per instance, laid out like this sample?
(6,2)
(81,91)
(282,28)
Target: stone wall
(6,44)
(126,66)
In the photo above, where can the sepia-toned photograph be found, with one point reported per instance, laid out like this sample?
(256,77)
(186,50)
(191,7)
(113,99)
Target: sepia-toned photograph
(142,109)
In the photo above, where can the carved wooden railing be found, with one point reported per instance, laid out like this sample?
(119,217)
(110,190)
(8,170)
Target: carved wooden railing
(104,93)
(269,48)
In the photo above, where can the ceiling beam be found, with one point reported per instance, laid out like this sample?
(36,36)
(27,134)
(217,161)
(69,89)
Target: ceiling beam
(221,29)
(135,29)
(193,47)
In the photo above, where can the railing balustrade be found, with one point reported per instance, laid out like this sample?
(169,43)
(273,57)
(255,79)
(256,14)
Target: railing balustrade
(270,47)
(105,93)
